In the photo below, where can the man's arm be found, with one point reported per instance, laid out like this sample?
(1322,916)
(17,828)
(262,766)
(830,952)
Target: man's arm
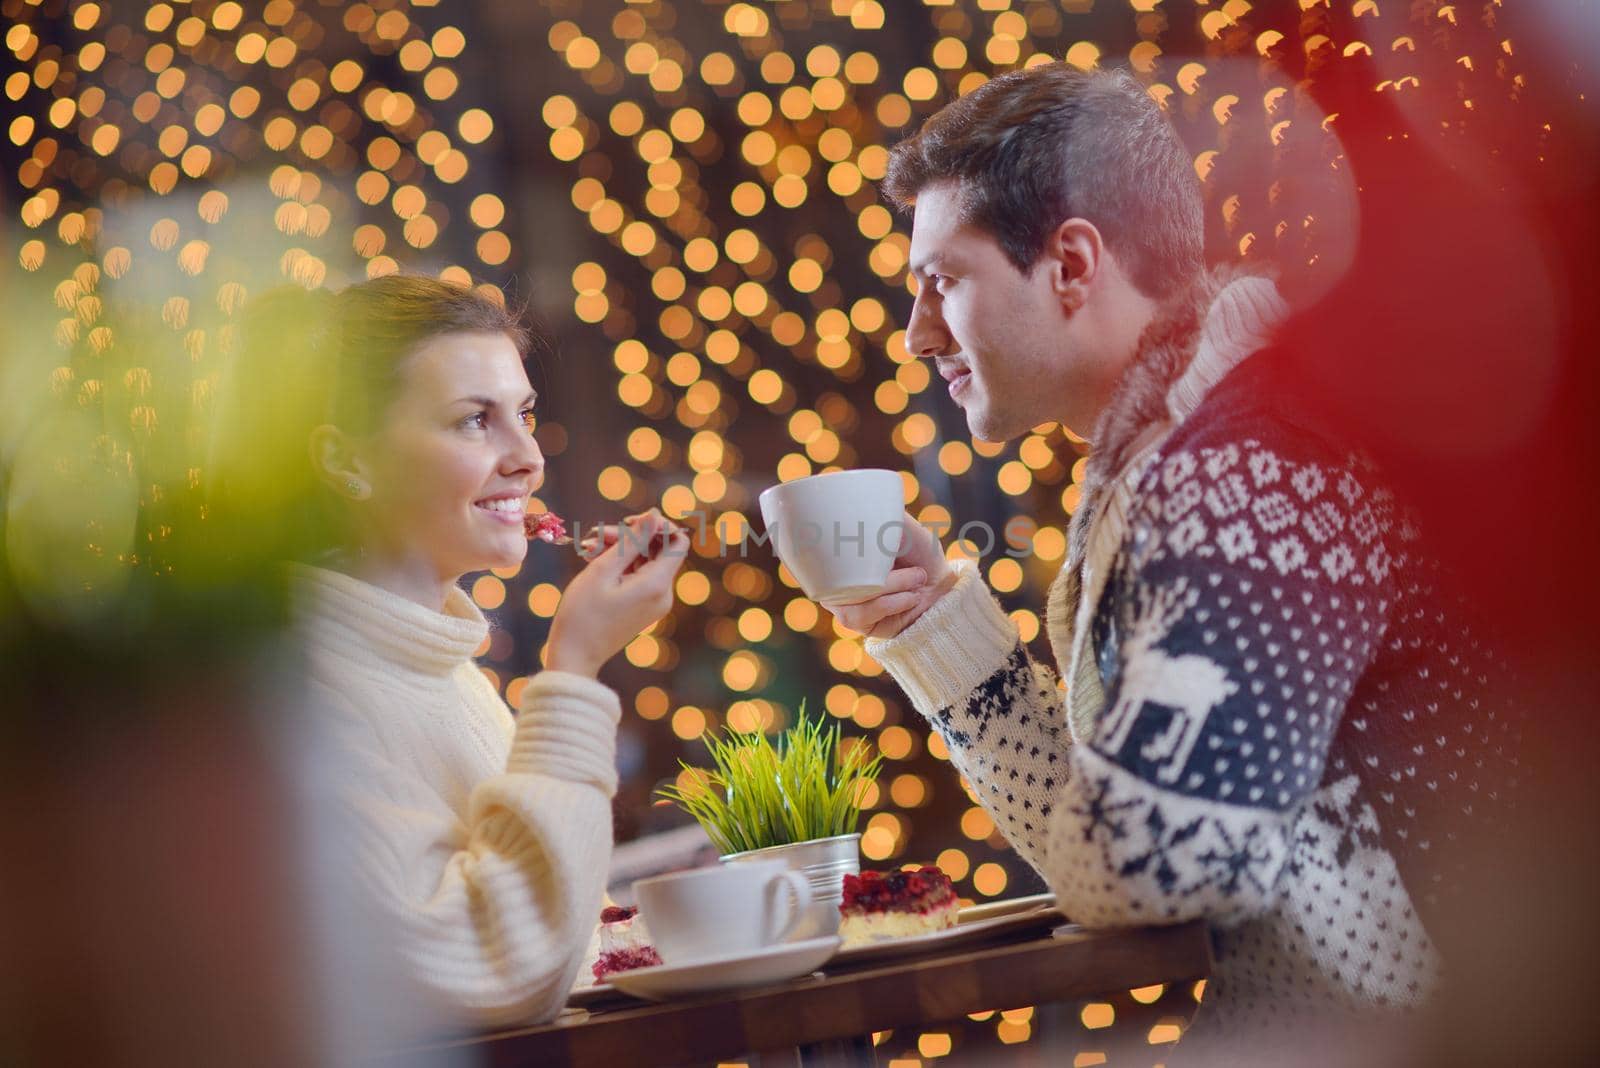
(967,672)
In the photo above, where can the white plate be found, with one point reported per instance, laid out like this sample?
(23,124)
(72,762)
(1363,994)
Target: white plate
(1005,907)
(973,924)
(588,995)
(771,965)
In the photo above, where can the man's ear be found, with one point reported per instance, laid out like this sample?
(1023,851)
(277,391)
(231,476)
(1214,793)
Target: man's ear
(334,458)
(1074,253)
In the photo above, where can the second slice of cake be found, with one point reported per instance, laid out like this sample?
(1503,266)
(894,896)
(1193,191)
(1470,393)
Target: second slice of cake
(894,905)
(624,943)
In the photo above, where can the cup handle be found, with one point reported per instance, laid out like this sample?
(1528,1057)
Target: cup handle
(795,906)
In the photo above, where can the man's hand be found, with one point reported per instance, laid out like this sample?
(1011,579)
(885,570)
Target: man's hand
(920,577)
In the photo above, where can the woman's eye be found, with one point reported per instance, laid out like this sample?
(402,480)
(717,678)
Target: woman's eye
(476,421)
(527,417)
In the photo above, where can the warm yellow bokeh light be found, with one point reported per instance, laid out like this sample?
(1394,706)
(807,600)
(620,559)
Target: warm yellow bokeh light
(1097,1015)
(644,444)
(989,879)
(693,587)
(908,791)
(1005,575)
(742,671)
(543,600)
(976,824)
(954,863)
(489,592)
(688,723)
(896,743)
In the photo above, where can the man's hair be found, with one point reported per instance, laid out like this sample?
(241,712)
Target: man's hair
(1036,147)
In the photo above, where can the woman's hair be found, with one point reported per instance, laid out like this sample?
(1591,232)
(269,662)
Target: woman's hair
(369,329)
(303,358)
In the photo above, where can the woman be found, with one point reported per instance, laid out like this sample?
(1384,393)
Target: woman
(482,841)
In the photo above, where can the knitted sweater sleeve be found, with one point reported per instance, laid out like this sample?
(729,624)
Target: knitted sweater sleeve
(492,914)
(1252,592)
(966,671)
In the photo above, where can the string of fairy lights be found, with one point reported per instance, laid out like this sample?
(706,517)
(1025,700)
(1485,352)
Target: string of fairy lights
(748,280)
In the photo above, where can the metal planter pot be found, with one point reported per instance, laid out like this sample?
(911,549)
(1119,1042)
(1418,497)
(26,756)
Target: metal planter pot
(825,862)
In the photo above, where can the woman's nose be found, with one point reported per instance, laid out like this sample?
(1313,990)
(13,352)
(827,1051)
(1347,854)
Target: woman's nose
(525,454)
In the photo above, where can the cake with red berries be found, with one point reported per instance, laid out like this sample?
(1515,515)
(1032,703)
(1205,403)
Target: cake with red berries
(624,943)
(897,904)
(546,527)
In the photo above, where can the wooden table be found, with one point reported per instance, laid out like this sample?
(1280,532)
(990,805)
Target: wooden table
(1063,964)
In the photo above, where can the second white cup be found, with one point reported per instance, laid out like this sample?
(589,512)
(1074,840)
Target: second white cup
(723,911)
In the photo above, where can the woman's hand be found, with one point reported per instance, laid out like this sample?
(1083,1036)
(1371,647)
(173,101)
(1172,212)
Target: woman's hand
(920,577)
(622,591)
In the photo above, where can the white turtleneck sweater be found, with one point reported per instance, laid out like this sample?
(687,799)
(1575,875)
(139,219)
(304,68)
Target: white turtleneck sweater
(482,842)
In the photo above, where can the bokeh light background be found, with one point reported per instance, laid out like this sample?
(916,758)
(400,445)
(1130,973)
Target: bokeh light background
(684,195)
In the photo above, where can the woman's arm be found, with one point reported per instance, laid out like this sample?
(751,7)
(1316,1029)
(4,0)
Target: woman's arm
(492,915)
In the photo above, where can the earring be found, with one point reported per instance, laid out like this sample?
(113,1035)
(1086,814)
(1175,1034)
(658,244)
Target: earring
(357,489)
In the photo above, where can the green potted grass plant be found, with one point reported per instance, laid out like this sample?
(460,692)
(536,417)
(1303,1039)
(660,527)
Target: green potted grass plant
(798,800)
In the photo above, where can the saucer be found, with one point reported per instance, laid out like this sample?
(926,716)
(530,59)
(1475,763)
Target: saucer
(771,964)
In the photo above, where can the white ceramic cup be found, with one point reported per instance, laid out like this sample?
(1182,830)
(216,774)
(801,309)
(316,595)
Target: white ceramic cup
(722,911)
(839,532)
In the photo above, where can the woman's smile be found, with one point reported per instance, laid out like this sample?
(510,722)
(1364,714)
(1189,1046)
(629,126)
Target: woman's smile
(507,510)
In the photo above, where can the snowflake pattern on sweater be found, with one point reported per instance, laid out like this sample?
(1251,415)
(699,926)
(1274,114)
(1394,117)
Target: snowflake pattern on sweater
(1261,655)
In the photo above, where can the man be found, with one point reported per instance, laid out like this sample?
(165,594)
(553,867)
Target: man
(1264,708)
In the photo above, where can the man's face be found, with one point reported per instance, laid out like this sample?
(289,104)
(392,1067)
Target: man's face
(999,337)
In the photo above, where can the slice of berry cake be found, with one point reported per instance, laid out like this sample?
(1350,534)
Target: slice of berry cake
(624,943)
(897,904)
(546,527)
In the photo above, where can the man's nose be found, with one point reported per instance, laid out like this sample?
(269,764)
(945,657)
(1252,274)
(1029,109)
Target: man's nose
(926,334)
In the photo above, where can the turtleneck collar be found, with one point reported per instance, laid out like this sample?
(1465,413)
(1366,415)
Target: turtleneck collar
(346,610)
(1246,313)
(1191,344)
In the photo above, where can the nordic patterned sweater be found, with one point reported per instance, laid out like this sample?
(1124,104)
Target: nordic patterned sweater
(1271,713)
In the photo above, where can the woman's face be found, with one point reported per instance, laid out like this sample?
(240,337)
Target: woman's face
(454,462)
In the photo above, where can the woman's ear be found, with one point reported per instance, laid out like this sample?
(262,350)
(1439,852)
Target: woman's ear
(1074,252)
(336,463)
